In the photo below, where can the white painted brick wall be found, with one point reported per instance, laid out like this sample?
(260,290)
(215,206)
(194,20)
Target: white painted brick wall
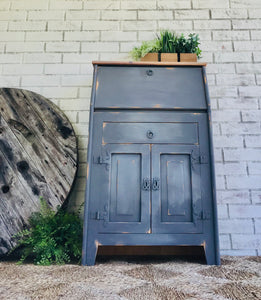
(256,197)
(47,46)
(233,197)
(229,13)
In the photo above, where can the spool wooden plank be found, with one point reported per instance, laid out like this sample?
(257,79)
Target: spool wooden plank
(38,157)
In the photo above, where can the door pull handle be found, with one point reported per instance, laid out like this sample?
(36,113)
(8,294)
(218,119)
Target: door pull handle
(155,184)
(146,184)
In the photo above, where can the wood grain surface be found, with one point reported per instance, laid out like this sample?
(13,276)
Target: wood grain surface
(148,63)
(38,157)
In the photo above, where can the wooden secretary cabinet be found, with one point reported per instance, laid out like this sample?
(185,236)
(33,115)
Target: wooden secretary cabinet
(150,162)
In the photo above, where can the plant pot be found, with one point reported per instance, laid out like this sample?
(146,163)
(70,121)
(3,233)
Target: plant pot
(173,57)
(188,57)
(150,57)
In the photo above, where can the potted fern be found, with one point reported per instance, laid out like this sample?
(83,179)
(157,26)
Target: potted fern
(148,51)
(169,47)
(52,238)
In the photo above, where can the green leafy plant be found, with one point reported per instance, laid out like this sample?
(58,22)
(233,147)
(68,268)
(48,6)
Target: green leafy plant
(188,45)
(181,44)
(145,48)
(52,238)
(168,42)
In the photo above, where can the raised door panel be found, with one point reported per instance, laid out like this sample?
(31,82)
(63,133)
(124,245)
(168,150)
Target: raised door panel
(176,204)
(125,188)
(176,194)
(116,191)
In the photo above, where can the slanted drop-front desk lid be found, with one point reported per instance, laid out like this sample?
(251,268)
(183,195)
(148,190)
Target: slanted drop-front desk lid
(150,86)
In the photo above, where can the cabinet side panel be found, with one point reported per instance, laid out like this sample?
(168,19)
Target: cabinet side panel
(213,258)
(87,239)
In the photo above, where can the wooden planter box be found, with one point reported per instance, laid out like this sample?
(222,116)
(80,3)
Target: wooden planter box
(188,57)
(150,57)
(170,57)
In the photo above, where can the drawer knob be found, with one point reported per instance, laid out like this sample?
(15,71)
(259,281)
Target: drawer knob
(150,134)
(149,72)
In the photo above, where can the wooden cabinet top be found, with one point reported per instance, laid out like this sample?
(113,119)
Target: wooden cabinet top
(141,63)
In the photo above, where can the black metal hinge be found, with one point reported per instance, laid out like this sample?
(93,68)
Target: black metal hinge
(202,215)
(203,159)
(101,160)
(205,215)
(101,215)
(199,159)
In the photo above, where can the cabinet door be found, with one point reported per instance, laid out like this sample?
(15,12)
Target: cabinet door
(120,202)
(176,192)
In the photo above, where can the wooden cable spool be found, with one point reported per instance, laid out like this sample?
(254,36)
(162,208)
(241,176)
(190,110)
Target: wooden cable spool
(38,157)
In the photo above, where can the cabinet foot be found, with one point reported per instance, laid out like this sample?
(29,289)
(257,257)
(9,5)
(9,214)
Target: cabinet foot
(212,257)
(91,253)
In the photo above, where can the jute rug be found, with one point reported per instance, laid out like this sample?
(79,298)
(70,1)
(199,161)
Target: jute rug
(239,278)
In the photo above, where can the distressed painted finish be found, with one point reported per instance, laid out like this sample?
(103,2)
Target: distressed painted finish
(150,84)
(150,177)
(177,204)
(38,157)
(111,199)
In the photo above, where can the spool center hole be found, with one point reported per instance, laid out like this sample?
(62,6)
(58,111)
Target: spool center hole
(5,188)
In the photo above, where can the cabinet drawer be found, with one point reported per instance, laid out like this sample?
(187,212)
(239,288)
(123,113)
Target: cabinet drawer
(150,87)
(128,132)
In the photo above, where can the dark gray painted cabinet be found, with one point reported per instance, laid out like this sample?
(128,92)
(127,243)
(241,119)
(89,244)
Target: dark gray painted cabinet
(150,174)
